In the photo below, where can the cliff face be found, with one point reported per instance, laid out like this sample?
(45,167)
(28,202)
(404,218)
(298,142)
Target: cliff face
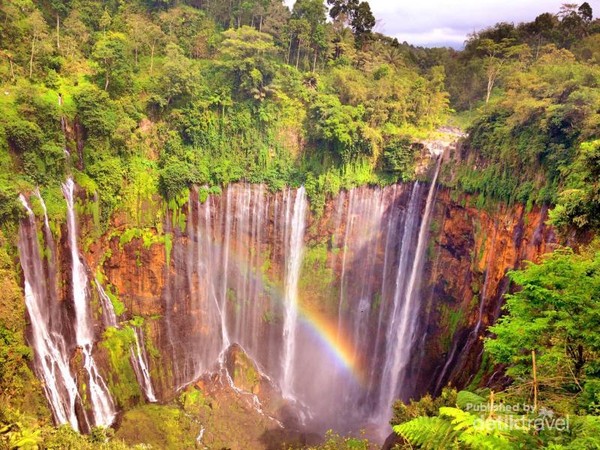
(387,294)
(472,250)
(350,268)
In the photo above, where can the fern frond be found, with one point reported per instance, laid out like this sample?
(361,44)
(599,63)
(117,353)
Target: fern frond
(427,432)
(486,442)
(466,398)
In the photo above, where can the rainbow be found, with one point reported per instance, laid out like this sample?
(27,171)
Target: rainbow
(333,339)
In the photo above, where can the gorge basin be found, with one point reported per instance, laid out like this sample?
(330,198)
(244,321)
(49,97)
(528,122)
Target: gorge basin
(329,310)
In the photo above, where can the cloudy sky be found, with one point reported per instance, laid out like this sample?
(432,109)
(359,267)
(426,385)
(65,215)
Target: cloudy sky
(447,22)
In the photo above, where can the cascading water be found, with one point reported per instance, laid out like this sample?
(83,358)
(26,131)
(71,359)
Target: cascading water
(239,271)
(139,360)
(401,332)
(233,240)
(108,311)
(48,342)
(103,408)
(295,245)
(337,340)
(140,365)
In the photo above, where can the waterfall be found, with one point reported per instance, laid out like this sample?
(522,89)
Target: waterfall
(139,360)
(296,225)
(108,311)
(333,325)
(50,349)
(102,404)
(140,365)
(400,333)
(238,268)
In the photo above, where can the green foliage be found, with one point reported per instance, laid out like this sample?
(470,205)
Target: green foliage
(23,135)
(96,112)
(122,382)
(524,146)
(554,314)
(340,128)
(426,406)
(177,80)
(475,423)
(334,441)
(164,427)
(247,55)
(148,237)
(10,209)
(579,203)
(399,158)
(112,62)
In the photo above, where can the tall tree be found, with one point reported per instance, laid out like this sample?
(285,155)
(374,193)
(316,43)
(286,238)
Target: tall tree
(497,55)
(177,80)
(38,32)
(310,16)
(362,23)
(61,9)
(356,14)
(585,12)
(110,55)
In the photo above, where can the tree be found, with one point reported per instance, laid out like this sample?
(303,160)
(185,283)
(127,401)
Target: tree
(247,54)
(105,21)
(144,34)
(362,22)
(556,312)
(38,31)
(275,20)
(585,12)
(308,17)
(182,25)
(110,56)
(356,14)
(342,9)
(177,79)
(156,39)
(497,54)
(138,33)
(77,35)
(574,21)
(61,8)
(579,202)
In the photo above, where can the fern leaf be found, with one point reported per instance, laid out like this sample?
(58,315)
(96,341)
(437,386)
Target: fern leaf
(427,432)
(464,399)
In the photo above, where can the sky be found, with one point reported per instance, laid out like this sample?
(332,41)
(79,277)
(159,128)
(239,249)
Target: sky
(433,23)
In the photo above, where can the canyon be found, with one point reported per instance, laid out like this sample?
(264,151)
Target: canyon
(385,294)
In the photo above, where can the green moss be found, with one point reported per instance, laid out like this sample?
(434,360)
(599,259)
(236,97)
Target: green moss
(168,247)
(149,237)
(450,320)
(122,382)
(485,368)
(118,305)
(316,277)
(164,427)
(193,401)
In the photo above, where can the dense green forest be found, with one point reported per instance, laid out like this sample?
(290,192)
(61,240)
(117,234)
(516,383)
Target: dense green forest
(144,99)
(161,95)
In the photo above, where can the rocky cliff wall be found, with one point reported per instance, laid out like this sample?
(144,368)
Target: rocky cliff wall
(470,251)
(386,294)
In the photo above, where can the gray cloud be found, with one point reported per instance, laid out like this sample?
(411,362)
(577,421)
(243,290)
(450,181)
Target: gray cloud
(435,22)
(448,22)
